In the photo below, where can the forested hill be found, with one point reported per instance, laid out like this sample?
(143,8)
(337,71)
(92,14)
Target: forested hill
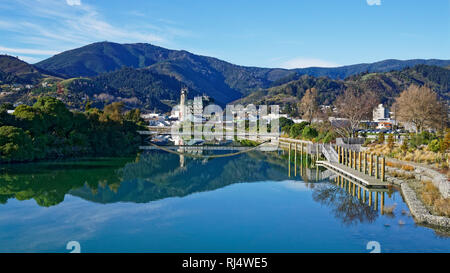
(388,85)
(221,80)
(143,88)
(13,70)
(343,72)
(137,88)
(150,77)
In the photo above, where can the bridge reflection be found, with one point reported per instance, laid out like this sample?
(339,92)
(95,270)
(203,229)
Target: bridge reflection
(374,198)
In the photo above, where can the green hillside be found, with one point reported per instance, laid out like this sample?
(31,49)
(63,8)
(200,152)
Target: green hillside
(388,85)
(223,81)
(137,88)
(13,70)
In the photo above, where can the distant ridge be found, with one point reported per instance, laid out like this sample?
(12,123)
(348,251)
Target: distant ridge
(343,72)
(149,77)
(223,81)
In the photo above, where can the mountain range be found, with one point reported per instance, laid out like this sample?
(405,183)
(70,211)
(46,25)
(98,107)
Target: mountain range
(150,77)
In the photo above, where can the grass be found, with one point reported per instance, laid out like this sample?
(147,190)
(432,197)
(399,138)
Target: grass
(422,154)
(408,168)
(431,197)
(404,167)
(393,164)
(402,175)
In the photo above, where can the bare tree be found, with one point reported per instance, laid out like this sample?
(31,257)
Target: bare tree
(421,107)
(354,106)
(308,106)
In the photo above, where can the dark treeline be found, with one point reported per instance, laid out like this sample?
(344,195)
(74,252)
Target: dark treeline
(48,130)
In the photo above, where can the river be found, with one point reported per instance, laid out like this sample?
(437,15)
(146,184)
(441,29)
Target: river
(160,202)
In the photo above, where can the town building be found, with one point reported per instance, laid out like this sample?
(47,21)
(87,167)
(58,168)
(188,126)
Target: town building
(380,113)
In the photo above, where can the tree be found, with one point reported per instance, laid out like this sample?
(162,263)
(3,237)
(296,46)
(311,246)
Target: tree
(297,129)
(309,132)
(308,106)
(421,107)
(354,106)
(56,115)
(50,130)
(134,115)
(445,142)
(114,111)
(15,144)
(31,119)
(285,124)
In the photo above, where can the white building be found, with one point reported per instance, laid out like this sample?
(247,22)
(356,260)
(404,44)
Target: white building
(380,113)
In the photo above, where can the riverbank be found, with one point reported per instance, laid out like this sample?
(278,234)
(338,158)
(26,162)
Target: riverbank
(410,181)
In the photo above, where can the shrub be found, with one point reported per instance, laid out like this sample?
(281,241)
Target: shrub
(404,146)
(445,143)
(285,123)
(330,136)
(420,139)
(442,206)
(367,142)
(391,142)
(309,132)
(434,145)
(286,129)
(429,193)
(297,129)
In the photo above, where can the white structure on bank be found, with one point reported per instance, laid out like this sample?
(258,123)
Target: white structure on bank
(380,113)
(182,113)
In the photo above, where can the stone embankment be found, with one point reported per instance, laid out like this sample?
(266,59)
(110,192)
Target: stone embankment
(417,208)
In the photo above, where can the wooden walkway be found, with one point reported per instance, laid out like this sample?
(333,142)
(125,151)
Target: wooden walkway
(349,173)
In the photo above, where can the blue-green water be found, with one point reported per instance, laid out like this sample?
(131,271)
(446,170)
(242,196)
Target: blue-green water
(158,202)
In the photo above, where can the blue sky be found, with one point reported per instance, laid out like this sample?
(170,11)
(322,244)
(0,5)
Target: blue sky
(253,33)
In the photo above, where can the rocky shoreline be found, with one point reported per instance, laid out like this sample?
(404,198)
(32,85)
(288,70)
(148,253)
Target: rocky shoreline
(417,208)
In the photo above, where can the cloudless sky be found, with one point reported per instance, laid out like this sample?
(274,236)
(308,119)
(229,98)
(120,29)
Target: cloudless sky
(252,33)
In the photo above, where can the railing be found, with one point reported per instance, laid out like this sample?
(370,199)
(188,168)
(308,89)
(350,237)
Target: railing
(366,163)
(329,153)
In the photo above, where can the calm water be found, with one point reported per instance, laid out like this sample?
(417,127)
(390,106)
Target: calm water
(159,202)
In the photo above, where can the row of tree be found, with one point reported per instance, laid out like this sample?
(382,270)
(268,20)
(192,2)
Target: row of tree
(49,130)
(417,105)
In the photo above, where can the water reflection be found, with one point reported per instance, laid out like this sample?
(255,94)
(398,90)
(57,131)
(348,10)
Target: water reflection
(48,182)
(150,176)
(349,201)
(157,175)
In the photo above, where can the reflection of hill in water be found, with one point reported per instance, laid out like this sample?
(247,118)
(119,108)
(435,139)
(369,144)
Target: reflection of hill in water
(49,182)
(156,175)
(159,175)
